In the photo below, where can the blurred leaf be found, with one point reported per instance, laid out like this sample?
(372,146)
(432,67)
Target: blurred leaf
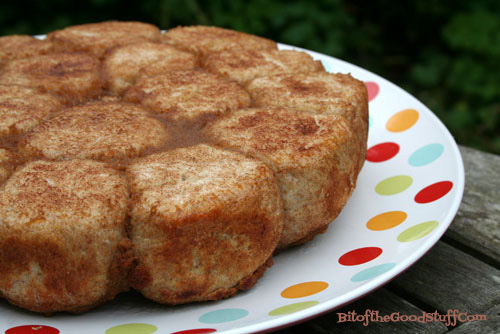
(447,53)
(431,70)
(470,77)
(478,31)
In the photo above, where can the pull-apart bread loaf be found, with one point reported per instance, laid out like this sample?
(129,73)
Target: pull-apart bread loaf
(203,40)
(311,156)
(22,46)
(245,65)
(22,108)
(176,163)
(318,93)
(63,245)
(96,38)
(122,65)
(188,95)
(76,77)
(99,130)
(204,223)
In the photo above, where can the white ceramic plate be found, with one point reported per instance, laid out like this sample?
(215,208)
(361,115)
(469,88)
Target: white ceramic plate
(408,193)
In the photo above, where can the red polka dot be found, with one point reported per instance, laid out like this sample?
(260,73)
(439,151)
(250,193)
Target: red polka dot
(32,329)
(360,256)
(433,192)
(382,152)
(372,89)
(197,331)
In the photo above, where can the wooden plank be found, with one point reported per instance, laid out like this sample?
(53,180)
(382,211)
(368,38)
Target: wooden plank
(383,301)
(477,224)
(492,325)
(447,279)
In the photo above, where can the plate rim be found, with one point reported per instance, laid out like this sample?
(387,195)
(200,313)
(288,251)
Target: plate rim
(329,305)
(379,281)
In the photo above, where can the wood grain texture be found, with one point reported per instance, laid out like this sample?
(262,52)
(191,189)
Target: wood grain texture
(491,325)
(447,278)
(477,224)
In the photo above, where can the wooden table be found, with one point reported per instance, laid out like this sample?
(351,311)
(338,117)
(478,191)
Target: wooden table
(461,272)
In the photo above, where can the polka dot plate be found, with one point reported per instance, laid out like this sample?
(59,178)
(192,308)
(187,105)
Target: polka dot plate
(408,193)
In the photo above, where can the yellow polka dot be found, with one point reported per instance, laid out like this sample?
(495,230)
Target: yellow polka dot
(386,220)
(402,120)
(304,289)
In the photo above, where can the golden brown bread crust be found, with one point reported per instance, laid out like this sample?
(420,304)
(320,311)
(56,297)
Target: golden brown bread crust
(75,77)
(22,46)
(204,221)
(310,154)
(96,38)
(6,164)
(318,93)
(244,65)
(100,130)
(203,40)
(309,158)
(122,65)
(62,235)
(22,108)
(188,95)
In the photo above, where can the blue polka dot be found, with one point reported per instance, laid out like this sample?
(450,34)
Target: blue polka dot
(426,154)
(372,272)
(223,315)
(326,65)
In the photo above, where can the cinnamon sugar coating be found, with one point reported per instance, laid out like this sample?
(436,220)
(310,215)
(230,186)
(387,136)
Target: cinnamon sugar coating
(63,245)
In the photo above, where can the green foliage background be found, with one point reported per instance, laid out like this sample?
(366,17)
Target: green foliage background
(446,53)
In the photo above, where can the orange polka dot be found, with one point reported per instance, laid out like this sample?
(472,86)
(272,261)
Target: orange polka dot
(386,220)
(304,289)
(402,120)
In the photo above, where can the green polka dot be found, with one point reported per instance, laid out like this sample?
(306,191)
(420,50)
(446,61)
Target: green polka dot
(132,329)
(393,185)
(292,308)
(417,231)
